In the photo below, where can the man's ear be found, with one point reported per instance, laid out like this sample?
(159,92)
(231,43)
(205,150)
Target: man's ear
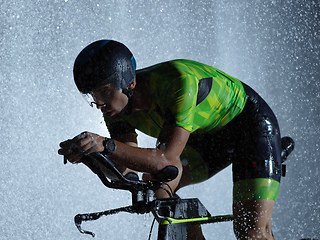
(132,85)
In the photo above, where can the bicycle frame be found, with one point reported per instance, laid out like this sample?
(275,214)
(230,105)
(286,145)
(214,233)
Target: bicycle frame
(181,213)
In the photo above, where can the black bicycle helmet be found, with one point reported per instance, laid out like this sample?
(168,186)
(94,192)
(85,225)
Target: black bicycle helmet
(102,62)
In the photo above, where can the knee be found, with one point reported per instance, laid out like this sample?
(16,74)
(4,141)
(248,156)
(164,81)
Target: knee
(254,233)
(252,220)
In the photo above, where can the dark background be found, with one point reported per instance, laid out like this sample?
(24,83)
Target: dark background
(271,45)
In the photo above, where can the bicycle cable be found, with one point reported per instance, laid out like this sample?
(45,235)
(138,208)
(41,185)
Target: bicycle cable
(151,228)
(170,193)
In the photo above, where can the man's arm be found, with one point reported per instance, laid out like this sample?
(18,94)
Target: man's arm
(171,143)
(86,142)
(129,139)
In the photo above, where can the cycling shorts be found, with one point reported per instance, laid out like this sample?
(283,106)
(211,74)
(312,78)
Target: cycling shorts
(251,142)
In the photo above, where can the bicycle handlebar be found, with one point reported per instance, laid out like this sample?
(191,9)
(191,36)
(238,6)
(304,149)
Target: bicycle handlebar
(167,174)
(143,192)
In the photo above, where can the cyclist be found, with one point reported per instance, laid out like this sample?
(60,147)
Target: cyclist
(203,119)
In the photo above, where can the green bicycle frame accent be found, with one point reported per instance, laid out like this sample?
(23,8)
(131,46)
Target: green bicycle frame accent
(176,215)
(192,221)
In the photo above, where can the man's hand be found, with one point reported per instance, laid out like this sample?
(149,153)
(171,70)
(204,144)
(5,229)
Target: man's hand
(82,144)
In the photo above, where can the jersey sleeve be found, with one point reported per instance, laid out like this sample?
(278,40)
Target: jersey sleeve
(181,100)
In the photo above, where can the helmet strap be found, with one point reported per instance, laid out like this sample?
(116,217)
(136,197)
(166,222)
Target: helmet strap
(129,107)
(129,94)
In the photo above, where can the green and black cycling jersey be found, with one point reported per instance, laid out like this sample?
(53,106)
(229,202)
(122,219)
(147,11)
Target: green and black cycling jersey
(207,102)
(195,96)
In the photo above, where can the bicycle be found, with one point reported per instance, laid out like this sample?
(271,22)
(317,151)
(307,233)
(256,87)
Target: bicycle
(174,215)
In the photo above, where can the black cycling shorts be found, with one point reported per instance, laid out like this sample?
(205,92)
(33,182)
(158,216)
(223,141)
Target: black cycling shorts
(251,142)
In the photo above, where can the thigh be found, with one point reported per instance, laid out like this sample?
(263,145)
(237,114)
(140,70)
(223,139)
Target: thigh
(205,155)
(216,149)
(195,169)
(256,169)
(257,159)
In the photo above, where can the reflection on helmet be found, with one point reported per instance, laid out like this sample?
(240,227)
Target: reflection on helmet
(103,62)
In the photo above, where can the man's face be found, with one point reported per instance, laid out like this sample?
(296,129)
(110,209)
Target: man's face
(110,100)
